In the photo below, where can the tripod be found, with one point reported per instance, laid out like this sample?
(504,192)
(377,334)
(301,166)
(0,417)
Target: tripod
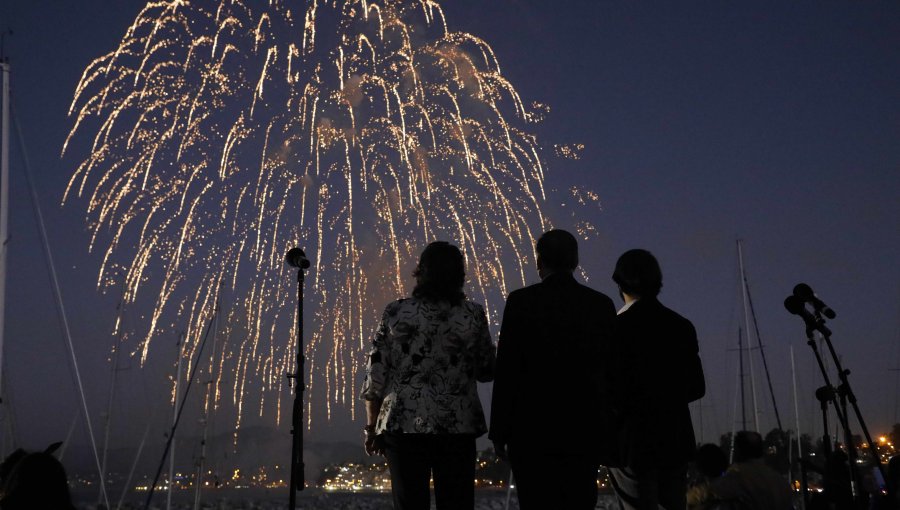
(838,396)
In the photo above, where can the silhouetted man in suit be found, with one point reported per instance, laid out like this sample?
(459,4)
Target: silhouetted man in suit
(550,401)
(655,373)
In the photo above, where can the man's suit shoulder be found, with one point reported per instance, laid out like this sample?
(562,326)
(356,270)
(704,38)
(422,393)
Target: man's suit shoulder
(662,313)
(520,294)
(596,295)
(676,318)
(534,291)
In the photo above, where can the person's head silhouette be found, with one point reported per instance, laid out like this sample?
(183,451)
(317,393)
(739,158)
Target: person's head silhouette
(441,273)
(37,480)
(711,461)
(557,251)
(748,445)
(638,274)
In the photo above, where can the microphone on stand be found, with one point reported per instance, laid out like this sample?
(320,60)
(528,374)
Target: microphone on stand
(297,258)
(805,293)
(797,306)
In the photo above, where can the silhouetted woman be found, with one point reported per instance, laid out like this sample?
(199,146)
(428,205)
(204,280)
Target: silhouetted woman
(422,407)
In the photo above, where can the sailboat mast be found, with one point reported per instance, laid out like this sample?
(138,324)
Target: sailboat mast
(747,328)
(109,407)
(181,342)
(210,396)
(741,379)
(4,205)
(762,354)
(734,421)
(796,404)
(896,393)
(803,486)
(896,371)
(116,344)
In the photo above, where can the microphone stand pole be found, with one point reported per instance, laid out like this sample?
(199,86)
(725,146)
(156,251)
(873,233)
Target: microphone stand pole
(298,481)
(846,395)
(824,395)
(827,394)
(830,393)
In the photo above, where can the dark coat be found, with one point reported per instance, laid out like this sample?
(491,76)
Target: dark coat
(550,389)
(656,372)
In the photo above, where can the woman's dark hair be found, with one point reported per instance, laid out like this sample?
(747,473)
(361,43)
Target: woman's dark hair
(638,274)
(440,274)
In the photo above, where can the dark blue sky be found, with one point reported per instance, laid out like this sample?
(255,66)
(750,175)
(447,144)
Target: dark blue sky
(704,122)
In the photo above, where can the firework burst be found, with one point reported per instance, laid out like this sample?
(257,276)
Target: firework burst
(224,135)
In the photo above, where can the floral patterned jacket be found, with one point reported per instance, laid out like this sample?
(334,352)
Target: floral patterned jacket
(425,361)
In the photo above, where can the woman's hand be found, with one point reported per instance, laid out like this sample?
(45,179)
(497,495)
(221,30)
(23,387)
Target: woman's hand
(373,443)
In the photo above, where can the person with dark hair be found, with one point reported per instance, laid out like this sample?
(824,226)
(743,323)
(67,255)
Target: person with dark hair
(9,463)
(656,372)
(550,409)
(837,491)
(748,445)
(422,408)
(892,484)
(638,274)
(32,481)
(709,464)
(749,484)
(836,480)
(711,461)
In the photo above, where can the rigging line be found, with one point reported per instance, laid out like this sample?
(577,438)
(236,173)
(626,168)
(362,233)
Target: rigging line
(762,352)
(4,203)
(134,464)
(741,360)
(68,440)
(60,306)
(190,382)
(137,457)
(796,403)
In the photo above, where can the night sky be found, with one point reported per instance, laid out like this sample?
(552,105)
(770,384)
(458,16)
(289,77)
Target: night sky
(703,123)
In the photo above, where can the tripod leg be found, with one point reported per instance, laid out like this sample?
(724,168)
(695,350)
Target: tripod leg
(873,446)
